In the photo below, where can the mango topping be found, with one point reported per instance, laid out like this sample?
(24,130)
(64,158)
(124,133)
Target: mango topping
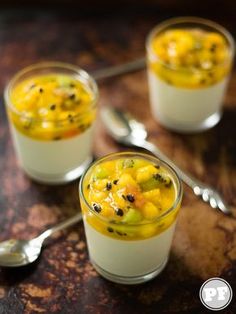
(52,107)
(190,58)
(129,195)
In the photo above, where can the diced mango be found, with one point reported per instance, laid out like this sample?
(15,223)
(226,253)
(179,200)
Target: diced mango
(150,211)
(126,179)
(147,230)
(100,184)
(145,173)
(153,195)
(98,196)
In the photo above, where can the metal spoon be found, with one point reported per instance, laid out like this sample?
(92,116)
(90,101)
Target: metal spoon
(120,69)
(14,253)
(128,131)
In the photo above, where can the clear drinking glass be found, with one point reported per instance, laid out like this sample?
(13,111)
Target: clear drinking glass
(129,253)
(188,73)
(53,144)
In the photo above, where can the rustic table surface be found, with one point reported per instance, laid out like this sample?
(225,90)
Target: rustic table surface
(63,280)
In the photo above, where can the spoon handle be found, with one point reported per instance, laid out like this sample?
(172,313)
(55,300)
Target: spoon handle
(64,224)
(207,194)
(120,69)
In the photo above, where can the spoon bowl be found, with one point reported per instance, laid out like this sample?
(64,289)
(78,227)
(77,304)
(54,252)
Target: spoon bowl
(14,253)
(19,252)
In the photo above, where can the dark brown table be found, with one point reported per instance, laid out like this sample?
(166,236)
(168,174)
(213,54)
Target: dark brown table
(63,280)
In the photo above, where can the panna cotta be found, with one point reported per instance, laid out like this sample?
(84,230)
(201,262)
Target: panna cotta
(51,109)
(130,202)
(189,62)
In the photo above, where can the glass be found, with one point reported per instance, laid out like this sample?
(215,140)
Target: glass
(186,95)
(52,150)
(123,252)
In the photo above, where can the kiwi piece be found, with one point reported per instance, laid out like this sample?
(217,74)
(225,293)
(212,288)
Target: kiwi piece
(132,216)
(156,181)
(100,173)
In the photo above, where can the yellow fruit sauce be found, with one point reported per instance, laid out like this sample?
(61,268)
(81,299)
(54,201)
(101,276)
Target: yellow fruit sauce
(190,58)
(51,106)
(127,196)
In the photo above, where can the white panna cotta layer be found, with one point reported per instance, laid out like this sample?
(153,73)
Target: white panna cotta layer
(185,109)
(128,258)
(53,161)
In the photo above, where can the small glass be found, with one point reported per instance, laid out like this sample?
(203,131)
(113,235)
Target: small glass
(52,150)
(187,83)
(123,252)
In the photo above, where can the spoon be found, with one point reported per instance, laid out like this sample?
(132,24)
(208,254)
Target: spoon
(14,253)
(128,131)
(120,69)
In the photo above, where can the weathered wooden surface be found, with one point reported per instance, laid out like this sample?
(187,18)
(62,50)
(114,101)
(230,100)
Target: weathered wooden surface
(63,280)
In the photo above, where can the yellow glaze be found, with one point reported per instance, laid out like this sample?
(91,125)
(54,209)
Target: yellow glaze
(190,58)
(51,107)
(129,195)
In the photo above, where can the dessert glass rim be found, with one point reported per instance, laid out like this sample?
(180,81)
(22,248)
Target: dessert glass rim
(57,65)
(189,19)
(112,156)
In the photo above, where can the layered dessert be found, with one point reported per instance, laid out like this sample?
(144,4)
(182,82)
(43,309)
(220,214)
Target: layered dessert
(129,203)
(51,116)
(188,70)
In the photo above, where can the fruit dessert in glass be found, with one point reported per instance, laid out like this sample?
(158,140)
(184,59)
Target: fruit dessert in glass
(51,109)
(189,62)
(130,202)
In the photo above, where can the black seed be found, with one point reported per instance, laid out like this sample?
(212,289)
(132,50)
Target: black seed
(53,107)
(41,90)
(169,82)
(119,212)
(159,178)
(213,48)
(109,229)
(72,85)
(108,186)
(130,198)
(57,138)
(157,167)
(119,233)
(71,119)
(115,181)
(72,96)
(167,185)
(27,124)
(81,126)
(124,197)
(203,81)
(97,207)
(88,186)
